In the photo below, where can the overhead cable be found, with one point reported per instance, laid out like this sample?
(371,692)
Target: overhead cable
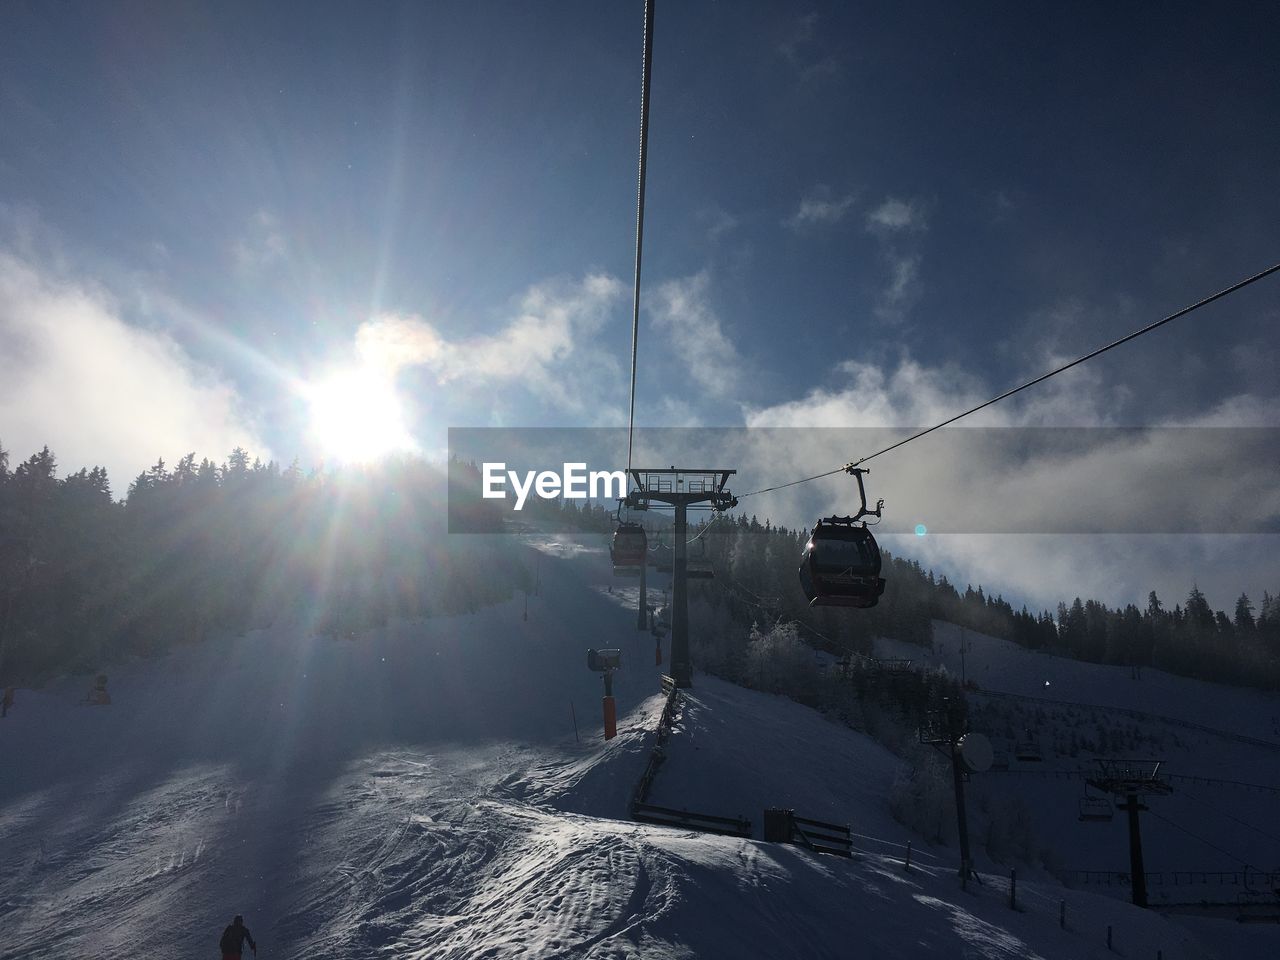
(644,156)
(1031,383)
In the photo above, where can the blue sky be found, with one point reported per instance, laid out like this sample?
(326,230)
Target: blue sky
(858,215)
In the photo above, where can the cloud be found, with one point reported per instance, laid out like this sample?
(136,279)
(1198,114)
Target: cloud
(262,245)
(870,395)
(897,215)
(904,286)
(897,224)
(99,391)
(1116,569)
(683,312)
(1026,474)
(717,221)
(801,49)
(547,347)
(820,208)
(1242,410)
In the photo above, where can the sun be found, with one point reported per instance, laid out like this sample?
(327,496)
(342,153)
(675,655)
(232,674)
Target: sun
(356,416)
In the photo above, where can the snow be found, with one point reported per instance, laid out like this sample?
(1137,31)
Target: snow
(1194,727)
(1003,666)
(420,792)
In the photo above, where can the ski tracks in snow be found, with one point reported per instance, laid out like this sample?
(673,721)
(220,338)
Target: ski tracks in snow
(559,885)
(85,885)
(412,866)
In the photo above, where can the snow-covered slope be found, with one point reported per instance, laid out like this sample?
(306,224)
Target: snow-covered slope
(420,792)
(1219,747)
(1003,666)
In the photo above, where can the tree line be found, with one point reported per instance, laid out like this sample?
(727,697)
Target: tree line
(756,566)
(202,547)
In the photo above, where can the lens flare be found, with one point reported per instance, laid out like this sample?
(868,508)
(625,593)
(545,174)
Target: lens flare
(356,416)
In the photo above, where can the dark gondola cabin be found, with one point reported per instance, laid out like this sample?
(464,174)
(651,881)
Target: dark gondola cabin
(840,566)
(629,550)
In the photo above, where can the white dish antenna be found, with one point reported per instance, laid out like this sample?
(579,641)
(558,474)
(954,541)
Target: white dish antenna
(976,752)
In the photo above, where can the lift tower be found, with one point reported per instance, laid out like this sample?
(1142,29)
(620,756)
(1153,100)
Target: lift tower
(681,488)
(1131,780)
(946,730)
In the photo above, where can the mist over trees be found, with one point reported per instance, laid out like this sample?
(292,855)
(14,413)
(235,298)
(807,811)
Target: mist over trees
(756,582)
(200,548)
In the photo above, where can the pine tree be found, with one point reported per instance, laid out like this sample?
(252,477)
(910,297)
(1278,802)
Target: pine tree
(1244,622)
(1199,613)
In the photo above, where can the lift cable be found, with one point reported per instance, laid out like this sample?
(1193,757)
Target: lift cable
(819,476)
(705,527)
(1194,836)
(644,156)
(1031,383)
(1243,823)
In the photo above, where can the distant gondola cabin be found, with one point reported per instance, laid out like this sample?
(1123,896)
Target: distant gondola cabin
(629,549)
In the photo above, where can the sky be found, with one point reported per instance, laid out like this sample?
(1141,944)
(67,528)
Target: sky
(322,231)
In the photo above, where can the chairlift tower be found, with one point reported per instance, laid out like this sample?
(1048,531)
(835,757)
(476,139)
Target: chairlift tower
(681,488)
(1131,780)
(969,752)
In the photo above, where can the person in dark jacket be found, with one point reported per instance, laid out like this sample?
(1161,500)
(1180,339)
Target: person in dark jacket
(233,938)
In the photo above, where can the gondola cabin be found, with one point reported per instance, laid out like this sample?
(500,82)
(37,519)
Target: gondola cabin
(629,550)
(840,566)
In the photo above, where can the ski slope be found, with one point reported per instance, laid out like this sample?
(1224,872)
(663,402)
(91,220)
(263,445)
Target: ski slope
(1005,667)
(1220,825)
(420,792)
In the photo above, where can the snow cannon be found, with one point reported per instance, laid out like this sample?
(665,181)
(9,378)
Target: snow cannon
(605,662)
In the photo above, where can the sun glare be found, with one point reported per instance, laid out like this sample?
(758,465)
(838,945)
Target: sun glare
(356,416)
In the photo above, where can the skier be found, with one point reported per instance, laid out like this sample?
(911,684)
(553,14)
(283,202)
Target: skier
(233,938)
(8,701)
